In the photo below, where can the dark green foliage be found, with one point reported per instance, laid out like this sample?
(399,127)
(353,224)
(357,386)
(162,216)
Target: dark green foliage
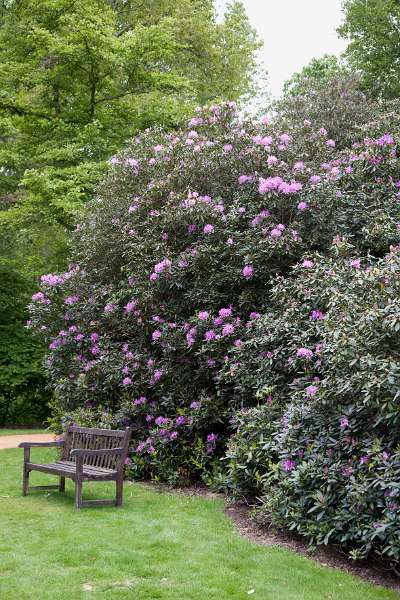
(328,462)
(23,397)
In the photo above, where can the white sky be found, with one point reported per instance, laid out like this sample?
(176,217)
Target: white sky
(294,32)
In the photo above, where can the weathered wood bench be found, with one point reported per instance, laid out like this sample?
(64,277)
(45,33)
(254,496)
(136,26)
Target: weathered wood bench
(86,455)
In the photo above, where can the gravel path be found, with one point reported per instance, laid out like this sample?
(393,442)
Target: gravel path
(12,441)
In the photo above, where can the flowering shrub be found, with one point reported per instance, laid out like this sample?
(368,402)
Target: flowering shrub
(202,284)
(328,463)
(339,103)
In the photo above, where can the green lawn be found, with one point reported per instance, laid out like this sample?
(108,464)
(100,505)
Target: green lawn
(20,431)
(157,546)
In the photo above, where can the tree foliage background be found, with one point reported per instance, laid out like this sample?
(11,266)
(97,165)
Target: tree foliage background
(372,30)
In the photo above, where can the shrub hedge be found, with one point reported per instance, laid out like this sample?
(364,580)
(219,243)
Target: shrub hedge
(232,277)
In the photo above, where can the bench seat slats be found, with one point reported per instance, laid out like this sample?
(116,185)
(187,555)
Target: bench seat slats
(68,469)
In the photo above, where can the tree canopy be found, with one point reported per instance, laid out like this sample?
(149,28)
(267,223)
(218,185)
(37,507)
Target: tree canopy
(372,29)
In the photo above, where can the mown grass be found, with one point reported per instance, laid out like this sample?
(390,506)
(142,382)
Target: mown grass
(159,545)
(4,431)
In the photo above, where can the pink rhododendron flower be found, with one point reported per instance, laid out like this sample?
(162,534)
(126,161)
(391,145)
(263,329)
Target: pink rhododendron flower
(311,390)
(314,179)
(308,264)
(130,307)
(275,232)
(299,166)
(248,271)
(304,353)
(210,335)
(71,300)
(141,400)
(317,315)
(225,312)
(269,184)
(208,228)
(284,138)
(347,471)
(52,280)
(157,374)
(109,308)
(288,465)
(132,162)
(203,315)
(302,206)
(162,265)
(195,121)
(356,263)
(255,315)
(228,329)
(386,139)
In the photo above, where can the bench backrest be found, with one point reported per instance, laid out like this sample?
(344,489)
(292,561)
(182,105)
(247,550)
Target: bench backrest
(97,439)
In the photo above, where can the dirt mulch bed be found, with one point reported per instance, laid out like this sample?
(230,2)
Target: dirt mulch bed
(326,556)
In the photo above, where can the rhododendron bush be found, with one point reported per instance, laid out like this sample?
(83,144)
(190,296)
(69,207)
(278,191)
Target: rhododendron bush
(194,291)
(323,446)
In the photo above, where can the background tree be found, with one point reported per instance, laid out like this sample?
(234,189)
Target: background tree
(77,80)
(372,29)
(318,72)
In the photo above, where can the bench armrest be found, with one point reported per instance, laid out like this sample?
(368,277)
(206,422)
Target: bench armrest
(82,452)
(41,444)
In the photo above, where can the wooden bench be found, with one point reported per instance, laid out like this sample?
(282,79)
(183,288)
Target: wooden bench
(86,455)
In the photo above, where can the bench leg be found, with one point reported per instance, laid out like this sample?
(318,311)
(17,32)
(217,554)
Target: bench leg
(78,493)
(119,484)
(62,484)
(25,481)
